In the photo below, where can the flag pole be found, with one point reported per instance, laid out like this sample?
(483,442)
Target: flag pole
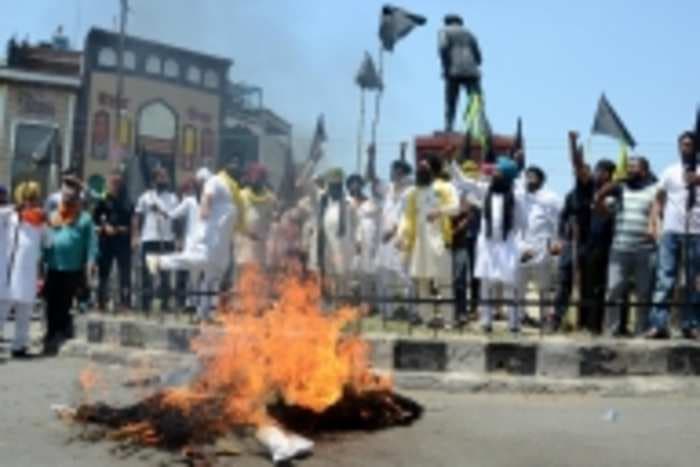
(378,96)
(361,130)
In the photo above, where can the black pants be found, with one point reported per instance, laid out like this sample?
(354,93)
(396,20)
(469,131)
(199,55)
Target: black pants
(452,86)
(474,283)
(593,272)
(156,248)
(114,249)
(60,290)
(182,286)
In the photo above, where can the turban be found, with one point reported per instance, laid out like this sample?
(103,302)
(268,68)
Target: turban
(256,173)
(335,176)
(507,167)
(27,191)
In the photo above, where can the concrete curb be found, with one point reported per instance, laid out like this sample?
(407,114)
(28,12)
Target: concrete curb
(457,382)
(552,357)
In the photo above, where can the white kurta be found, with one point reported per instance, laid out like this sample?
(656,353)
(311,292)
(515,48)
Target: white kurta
(24,245)
(339,250)
(429,258)
(6,218)
(542,209)
(258,221)
(388,255)
(497,260)
(368,213)
(188,209)
(208,246)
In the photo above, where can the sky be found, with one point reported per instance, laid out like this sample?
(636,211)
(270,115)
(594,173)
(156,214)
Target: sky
(547,61)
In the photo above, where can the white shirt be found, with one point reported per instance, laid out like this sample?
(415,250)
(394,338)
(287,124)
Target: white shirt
(189,210)
(6,241)
(156,226)
(675,213)
(222,205)
(542,209)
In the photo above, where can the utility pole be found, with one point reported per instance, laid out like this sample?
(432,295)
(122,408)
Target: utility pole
(124,12)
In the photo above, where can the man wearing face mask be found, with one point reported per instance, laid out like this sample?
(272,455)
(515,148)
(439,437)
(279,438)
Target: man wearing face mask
(368,212)
(633,252)
(589,232)
(72,249)
(503,221)
(542,208)
(336,240)
(679,202)
(154,228)
(392,277)
(426,234)
(112,216)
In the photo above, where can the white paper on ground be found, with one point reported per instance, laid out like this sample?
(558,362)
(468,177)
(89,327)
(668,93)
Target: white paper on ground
(283,446)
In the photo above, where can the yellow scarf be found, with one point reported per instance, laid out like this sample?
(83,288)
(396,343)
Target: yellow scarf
(235,190)
(410,220)
(250,195)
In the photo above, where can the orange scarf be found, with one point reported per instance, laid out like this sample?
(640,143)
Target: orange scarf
(65,215)
(33,216)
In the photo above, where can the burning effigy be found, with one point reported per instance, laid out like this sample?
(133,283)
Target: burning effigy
(282,368)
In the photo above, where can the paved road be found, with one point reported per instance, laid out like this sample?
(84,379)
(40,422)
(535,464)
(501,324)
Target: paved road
(458,430)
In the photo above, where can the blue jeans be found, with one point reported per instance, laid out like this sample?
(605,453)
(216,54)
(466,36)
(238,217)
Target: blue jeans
(669,264)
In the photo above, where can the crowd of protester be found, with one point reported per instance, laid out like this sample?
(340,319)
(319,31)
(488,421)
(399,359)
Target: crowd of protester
(478,241)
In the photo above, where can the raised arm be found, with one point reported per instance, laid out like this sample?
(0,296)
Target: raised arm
(476,187)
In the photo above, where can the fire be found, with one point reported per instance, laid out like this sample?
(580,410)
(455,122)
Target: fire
(289,350)
(276,360)
(91,382)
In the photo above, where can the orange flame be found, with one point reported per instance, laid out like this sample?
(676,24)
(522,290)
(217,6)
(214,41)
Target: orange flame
(289,350)
(91,381)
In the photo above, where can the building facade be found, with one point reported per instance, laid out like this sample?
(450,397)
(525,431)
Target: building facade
(255,133)
(39,88)
(170,114)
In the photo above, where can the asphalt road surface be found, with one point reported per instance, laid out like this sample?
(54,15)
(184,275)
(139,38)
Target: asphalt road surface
(457,430)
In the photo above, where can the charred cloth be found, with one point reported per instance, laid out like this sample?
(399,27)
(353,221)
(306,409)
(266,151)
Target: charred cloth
(155,423)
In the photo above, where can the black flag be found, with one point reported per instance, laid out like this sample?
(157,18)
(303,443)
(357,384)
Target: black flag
(395,24)
(367,76)
(316,150)
(519,144)
(607,122)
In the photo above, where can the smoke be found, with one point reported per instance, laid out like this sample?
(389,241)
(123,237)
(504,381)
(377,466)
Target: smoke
(302,54)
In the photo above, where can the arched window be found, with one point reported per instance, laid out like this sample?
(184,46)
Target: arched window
(153,65)
(207,144)
(171,69)
(194,75)
(100,135)
(107,57)
(189,147)
(211,79)
(129,60)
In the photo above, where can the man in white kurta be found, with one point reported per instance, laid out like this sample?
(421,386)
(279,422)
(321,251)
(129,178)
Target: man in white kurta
(221,210)
(22,231)
(426,235)
(368,212)
(497,252)
(537,265)
(392,277)
(335,240)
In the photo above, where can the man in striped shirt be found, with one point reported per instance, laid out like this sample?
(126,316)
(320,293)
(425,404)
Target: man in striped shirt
(633,252)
